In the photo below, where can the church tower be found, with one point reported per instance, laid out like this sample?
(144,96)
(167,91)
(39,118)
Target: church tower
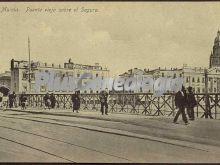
(215,54)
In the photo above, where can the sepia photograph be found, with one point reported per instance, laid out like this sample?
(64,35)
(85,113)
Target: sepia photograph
(110,82)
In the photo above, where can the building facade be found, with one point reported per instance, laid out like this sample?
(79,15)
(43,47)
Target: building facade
(192,76)
(22,82)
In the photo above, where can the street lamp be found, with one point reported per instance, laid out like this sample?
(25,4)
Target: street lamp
(29,65)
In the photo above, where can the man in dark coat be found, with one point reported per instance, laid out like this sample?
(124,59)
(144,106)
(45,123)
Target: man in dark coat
(103,96)
(191,103)
(47,101)
(12,98)
(76,101)
(53,100)
(180,102)
(1,96)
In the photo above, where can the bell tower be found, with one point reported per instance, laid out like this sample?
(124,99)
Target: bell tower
(215,54)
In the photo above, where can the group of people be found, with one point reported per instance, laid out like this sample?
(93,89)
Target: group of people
(103,97)
(11,101)
(185,100)
(49,101)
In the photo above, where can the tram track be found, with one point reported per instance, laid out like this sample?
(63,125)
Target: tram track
(103,131)
(56,140)
(37,149)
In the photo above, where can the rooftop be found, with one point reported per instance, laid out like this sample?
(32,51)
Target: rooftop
(67,65)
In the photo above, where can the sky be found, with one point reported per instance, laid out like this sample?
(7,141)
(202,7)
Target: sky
(119,35)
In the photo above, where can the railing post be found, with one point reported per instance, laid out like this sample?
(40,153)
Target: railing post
(158,106)
(173,106)
(197,107)
(216,102)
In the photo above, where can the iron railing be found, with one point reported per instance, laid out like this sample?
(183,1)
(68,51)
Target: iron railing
(132,103)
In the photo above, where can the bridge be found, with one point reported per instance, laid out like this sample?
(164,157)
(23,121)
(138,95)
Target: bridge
(139,128)
(134,103)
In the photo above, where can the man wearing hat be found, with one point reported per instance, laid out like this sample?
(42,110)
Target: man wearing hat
(180,102)
(103,96)
(191,103)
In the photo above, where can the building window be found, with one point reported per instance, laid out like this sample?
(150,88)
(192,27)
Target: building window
(162,74)
(215,90)
(198,90)
(78,75)
(174,76)
(187,79)
(97,75)
(198,80)
(180,75)
(193,79)
(203,80)
(203,90)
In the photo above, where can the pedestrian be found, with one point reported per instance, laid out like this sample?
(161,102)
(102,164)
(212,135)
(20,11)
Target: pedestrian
(23,99)
(103,96)
(191,103)
(12,99)
(53,100)
(76,101)
(180,102)
(47,101)
(1,98)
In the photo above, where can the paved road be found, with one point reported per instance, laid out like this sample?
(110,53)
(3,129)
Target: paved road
(66,137)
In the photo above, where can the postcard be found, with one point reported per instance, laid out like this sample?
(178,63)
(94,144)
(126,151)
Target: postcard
(109,82)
